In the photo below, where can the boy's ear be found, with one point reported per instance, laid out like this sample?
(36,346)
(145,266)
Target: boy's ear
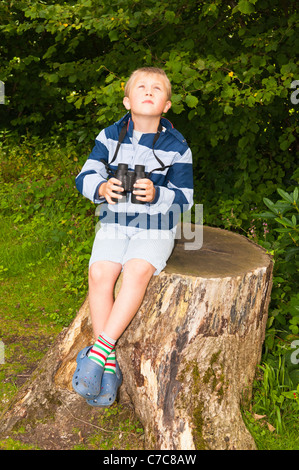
(126,103)
(167,106)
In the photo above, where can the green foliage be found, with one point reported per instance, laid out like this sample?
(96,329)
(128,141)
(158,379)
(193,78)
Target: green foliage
(277,393)
(231,64)
(283,243)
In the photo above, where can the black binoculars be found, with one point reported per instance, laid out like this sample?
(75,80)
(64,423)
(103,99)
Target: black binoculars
(128,178)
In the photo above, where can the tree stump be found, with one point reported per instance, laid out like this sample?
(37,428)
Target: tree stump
(189,355)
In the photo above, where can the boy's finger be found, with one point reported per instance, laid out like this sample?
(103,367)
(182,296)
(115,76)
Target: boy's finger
(140,192)
(143,181)
(109,200)
(117,188)
(115,181)
(141,185)
(116,194)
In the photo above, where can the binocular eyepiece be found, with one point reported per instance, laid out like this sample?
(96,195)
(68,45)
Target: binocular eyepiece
(128,178)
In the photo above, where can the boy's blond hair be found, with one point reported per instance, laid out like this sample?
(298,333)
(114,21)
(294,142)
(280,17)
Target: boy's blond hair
(149,70)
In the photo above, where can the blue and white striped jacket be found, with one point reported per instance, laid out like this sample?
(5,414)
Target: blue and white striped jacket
(174,185)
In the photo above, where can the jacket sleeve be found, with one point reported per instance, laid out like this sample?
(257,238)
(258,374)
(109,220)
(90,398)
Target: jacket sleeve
(93,172)
(178,191)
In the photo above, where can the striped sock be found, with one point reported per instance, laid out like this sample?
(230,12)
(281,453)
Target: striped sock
(110,366)
(101,349)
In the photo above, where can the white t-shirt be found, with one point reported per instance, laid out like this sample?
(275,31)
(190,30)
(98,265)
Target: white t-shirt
(136,137)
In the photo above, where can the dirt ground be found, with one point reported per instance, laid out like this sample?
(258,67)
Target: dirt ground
(66,421)
(75,425)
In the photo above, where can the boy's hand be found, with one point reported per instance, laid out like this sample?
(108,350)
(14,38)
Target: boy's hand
(144,190)
(109,190)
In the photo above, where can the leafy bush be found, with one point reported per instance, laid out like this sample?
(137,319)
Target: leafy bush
(277,393)
(231,65)
(283,217)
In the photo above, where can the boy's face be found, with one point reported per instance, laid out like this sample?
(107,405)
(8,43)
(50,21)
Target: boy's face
(148,96)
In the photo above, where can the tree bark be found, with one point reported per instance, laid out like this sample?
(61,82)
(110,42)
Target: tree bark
(189,355)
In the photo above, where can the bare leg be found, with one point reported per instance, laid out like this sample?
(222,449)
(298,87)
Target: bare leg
(136,276)
(102,278)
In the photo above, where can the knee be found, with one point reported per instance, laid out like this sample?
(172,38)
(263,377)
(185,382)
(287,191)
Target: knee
(101,274)
(95,274)
(139,270)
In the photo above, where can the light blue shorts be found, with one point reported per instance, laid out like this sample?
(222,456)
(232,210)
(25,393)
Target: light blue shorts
(120,244)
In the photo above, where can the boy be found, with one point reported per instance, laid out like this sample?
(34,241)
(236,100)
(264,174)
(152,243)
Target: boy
(136,236)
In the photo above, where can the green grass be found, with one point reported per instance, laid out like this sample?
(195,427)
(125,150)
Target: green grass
(31,299)
(12,444)
(268,439)
(273,418)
